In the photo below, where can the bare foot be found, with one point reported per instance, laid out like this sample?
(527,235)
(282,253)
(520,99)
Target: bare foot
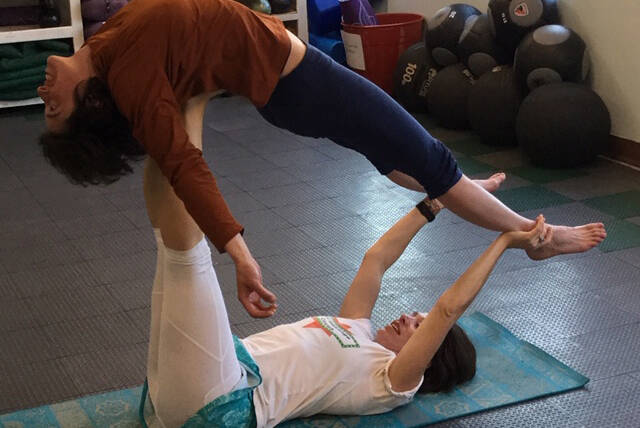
(492,183)
(567,240)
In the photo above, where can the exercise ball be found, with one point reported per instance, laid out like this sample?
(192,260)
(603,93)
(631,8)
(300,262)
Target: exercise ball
(511,20)
(413,76)
(449,96)
(494,101)
(477,48)
(549,54)
(563,125)
(444,30)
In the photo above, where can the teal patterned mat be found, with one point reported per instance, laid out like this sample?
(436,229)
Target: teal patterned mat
(508,371)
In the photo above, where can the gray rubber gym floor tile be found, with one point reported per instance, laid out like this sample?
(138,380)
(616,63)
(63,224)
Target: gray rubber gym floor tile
(49,186)
(265,140)
(604,403)
(344,229)
(7,288)
(288,302)
(291,194)
(8,180)
(307,264)
(118,367)
(58,279)
(504,159)
(29,233)
(76,304)
(635,375)
(229,121)
(329,169)
(634,220)
(631,256)
(281,241)
(537,413)
(141,319)
(573,315)
(93,334)
(15,314)
(33,384)
(620,235)
(322,291)
(374,202)
(530,197)
(442,239)
(335,151)
(131,294)
(263,179)
(619,346)
(592,364)
(26,345)
(19,205)
(98,225)
(318,211)
(349,184)
(243,202)
(460,260)
(225,167)
(218,147)
(40,256)
(138,217)
(124,268)
(261,221)
(114,244)
(68,208)
(305,156)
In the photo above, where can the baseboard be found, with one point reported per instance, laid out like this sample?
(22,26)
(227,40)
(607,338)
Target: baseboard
(624,150)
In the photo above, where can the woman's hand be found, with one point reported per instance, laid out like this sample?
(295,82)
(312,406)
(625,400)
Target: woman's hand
(536,238)
(251,291)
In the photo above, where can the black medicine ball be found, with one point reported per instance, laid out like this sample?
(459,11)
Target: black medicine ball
(494,102)
(444,30)
(449,96)
(549,54)
(477,48)
(510,20)
(413,76)
(563,125)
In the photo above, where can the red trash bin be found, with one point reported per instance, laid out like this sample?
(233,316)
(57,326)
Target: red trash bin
(373,50)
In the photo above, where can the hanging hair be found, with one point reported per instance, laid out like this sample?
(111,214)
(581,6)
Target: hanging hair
(97,146)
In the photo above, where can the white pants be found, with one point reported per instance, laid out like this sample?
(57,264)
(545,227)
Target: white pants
(191,358)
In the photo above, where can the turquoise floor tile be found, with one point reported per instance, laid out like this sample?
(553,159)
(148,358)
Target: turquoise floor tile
(621,235)
(545,175)
(620,205)
(530,198)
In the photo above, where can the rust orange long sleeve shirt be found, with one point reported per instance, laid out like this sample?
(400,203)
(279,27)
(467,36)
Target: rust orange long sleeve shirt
(156,54)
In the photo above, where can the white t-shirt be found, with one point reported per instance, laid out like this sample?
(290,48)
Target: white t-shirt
(322,365)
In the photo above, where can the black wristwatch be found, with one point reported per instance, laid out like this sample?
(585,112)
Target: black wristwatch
(426,211)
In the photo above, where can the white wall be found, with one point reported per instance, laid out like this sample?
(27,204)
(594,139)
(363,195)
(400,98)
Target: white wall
(611,30)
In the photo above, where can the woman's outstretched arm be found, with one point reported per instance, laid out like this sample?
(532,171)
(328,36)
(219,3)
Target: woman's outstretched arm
(408,367)
(363,292)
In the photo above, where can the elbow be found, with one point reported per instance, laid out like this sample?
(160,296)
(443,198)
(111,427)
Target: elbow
(450,308)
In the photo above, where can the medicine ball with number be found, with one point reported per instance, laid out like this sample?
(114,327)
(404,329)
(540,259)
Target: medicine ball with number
(563,125)
(477,48)
(413,76)
(449,96)
(494,101)
(552,53)
(511,20)
(444,30)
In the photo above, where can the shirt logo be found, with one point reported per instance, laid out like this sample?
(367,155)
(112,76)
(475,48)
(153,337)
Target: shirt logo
(332,327)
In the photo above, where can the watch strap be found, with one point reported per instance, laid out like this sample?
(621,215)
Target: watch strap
(426,211)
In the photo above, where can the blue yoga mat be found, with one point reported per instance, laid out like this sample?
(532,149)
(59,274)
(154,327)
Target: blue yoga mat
(508,371)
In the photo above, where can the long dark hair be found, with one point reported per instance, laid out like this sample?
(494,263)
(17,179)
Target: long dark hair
(97,146)
(454,363)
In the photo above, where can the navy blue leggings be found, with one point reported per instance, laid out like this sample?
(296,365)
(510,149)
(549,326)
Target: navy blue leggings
(323,99)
